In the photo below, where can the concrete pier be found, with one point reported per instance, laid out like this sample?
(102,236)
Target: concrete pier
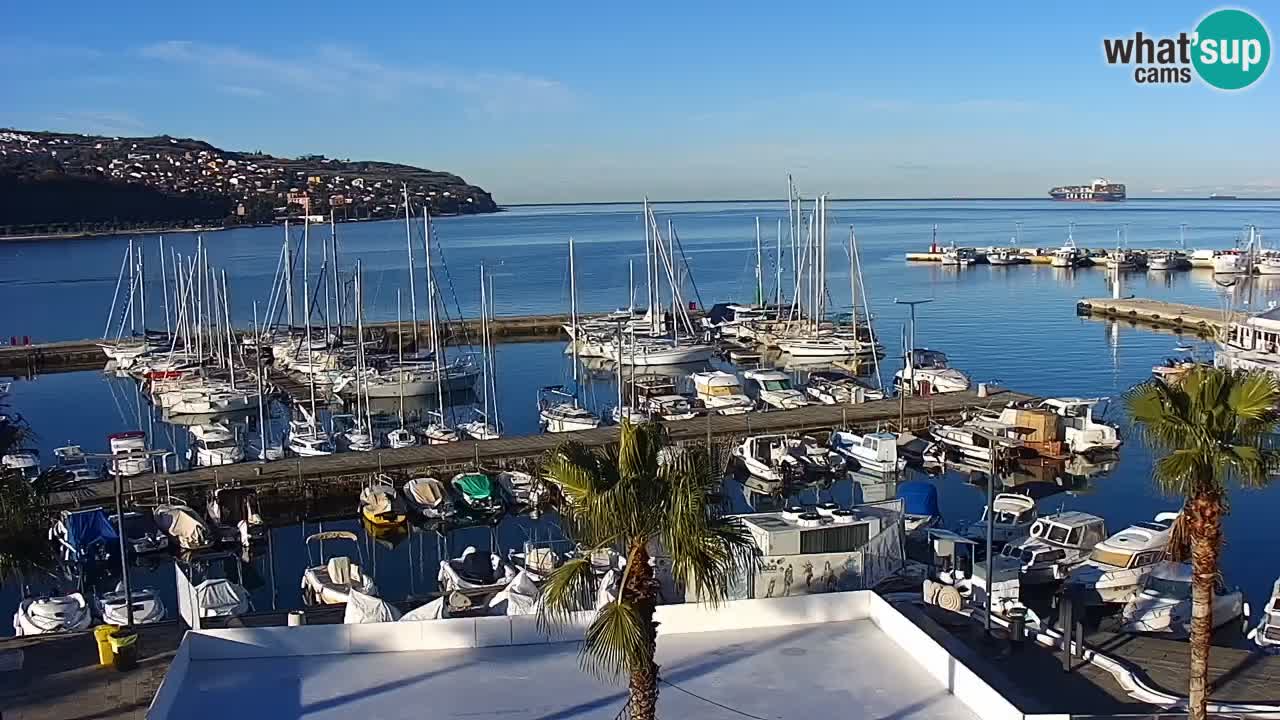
(1202,321)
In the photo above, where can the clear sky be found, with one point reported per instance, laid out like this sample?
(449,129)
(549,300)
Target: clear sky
(561,102)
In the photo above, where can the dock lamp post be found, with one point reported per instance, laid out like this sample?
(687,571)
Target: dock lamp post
(997,443)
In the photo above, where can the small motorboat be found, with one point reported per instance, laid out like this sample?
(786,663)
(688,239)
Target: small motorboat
(772,389)
(1163,603)
(476,572)
(428,497)
(1117,565)
(379,505)
(521,487)
(75,464)
(129,453)
(833,387)
(930,373)
(721,392)
(85,535)
(872,451)
(233,512)
(147,606)
(219,597)
(558,411)
(919,506)
(364,609)
(401,438)
(1267,634)
(182,524)
(1013,515)
(1055,545)
(332,582)
(51,614)
(477,492)
(215,444)
(778,458)
(22,462)
(142,536)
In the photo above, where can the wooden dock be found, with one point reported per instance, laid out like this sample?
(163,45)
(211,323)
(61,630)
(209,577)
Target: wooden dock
(315,477)
(1202,321)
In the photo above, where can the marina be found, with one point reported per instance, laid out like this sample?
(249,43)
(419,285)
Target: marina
(964,372)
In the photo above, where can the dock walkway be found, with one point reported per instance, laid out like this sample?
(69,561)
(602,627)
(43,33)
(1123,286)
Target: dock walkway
(329,470)
(1203,321)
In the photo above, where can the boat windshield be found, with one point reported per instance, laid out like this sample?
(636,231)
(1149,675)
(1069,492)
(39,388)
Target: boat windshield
(721,391)
(776,385)
(1006,517)
(1169,588)
(1114,558)
(219,444)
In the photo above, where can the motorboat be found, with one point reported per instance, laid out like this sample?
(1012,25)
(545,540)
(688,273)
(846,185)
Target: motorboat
(233,513)
(1068,256)
(147,606)
(728,318)
(833,387)
(1252,343)
(25,463)
(919,506)
(871,451)
(1117,565)
(475,573)
(773,389)
(183,525)
(208,400)
(1081,432)
(52,614)
(1012,517)
(352,434)
(1172,370)
(220,597)
(721,392)
(85,535)
(1230,262)
(918,450)
(779,458)
(331,582)
(428,497)
(1163,602)
(671,407)
(215,445)
(558,411)
(379,505)
(142,536)
(1267,634)
(521,487)
(129,457)
(437,432)
(959,256)
(308,439)
(477,492)
(1268,263)
(1004,256)
(629,414)
(72,460)
(364,609)
(1169,260)
(929,373)
(1055,545)
(969,440)
(820,345)
(648,352)
(1125,260)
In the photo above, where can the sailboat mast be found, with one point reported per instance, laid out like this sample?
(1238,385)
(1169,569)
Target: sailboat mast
(436,350)
(778,280)
(262,406)
(306,311)
(133,288)
(337,289)
(164,290)
(400,356)
(408,238)
(493,361)
(573,318)
(361,376)
(631,287)
(288,271)
(226,316)
(484,343)
(759,266)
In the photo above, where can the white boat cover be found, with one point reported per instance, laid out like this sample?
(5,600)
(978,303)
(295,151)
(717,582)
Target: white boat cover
(468,573)
(220,597)
(60,613)
(375,500)
(519,597)
(147,606)
(362,608)
(182,525)
(434,610)
(332,583)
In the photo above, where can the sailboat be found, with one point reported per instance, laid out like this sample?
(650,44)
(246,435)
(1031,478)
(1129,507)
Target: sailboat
(436,432)
(400,437)
(481,428)
(558,410)
(354,432)
(306,437)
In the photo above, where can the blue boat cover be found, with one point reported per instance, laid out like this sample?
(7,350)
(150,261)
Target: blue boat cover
(918,498)
(89,528)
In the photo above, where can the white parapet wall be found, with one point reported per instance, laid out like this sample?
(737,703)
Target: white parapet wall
(462,633)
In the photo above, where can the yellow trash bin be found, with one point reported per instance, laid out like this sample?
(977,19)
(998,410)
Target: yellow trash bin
(124,649)
(102,635)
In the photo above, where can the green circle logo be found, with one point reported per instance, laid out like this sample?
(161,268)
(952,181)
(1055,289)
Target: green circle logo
(1232,49)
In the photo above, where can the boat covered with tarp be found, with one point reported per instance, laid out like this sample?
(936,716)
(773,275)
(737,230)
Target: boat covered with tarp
(86,534)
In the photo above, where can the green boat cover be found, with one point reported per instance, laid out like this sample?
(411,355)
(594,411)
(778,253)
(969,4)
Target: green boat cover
(476,486)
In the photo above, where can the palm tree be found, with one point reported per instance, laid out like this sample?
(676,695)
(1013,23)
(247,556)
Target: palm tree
(1208,432)
(641,497)
(24,517)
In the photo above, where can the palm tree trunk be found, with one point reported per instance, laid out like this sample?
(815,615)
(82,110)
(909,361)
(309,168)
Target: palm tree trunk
(641,591)
(1204,514)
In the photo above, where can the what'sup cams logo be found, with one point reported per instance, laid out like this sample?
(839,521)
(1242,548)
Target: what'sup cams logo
(1229,50)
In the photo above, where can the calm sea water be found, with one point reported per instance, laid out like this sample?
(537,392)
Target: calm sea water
(1015,326)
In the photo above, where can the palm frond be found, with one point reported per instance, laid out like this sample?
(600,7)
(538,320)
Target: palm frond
(617,642)
(567,590)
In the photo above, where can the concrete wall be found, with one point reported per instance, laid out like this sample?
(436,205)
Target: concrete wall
(968,687)
(167,694)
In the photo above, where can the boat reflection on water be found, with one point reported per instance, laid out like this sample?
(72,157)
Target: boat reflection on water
(1040,477)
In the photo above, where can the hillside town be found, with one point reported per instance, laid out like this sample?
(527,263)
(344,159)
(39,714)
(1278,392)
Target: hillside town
(231,188)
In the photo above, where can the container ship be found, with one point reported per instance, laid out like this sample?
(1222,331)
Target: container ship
(1098,191)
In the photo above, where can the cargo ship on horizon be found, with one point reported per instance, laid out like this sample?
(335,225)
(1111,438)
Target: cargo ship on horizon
(1098,191)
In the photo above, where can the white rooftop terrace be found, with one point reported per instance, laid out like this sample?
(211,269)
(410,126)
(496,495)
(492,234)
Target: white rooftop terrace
(832,655)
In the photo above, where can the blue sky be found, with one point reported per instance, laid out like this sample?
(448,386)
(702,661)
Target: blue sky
(563,102)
